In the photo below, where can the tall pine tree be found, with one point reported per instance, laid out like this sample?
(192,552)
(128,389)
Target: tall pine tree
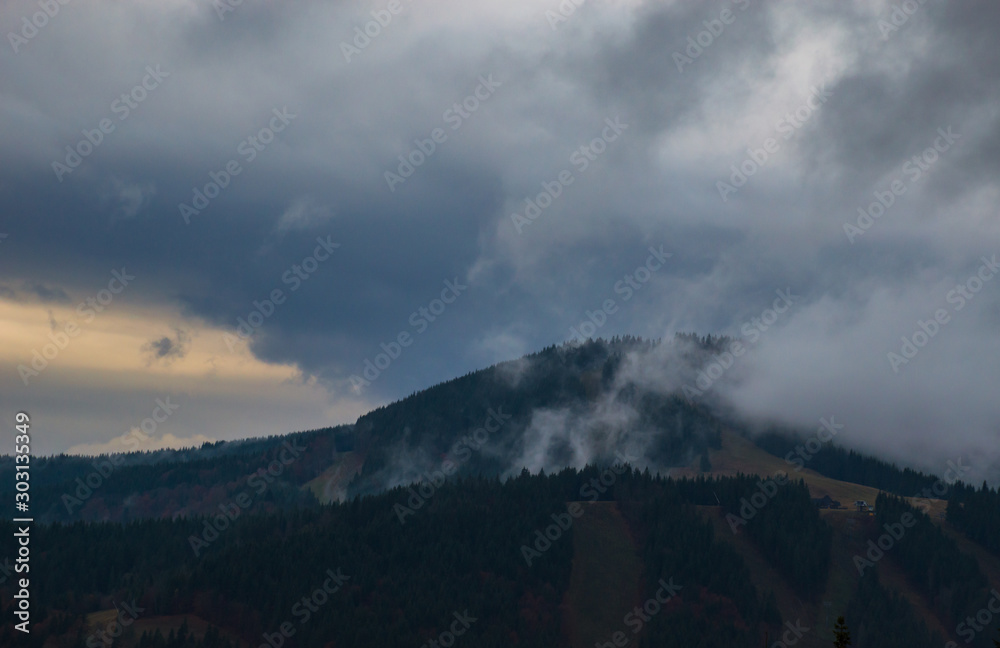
(841,635)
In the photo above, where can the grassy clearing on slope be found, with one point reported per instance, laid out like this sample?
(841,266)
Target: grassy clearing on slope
(331,485)
(766,579)
(606,578)
(740,455)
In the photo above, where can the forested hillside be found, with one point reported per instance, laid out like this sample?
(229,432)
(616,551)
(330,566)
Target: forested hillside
(422,519)
(977,513)
(500,552)
(489,422)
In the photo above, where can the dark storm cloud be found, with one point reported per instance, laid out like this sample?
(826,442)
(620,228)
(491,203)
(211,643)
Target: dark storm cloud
(27,291)
(48,293)
(167,348)
(219,81)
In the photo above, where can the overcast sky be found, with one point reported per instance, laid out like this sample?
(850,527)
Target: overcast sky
(735,139)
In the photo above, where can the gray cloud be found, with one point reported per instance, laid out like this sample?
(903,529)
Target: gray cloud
(34,291)
(166,348)
(324,175)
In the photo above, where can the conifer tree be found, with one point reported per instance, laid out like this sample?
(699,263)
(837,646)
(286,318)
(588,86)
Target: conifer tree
(841,635)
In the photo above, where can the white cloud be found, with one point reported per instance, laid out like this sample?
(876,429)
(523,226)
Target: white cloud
(126,443)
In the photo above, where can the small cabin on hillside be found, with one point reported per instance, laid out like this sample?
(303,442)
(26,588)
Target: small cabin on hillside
(826,502)
(864,507)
